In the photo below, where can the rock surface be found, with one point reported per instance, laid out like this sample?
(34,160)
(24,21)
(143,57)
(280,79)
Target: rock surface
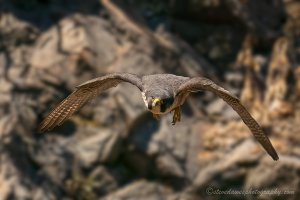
(113,148)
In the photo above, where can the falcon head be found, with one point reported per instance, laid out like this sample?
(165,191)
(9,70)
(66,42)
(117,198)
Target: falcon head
(159,105)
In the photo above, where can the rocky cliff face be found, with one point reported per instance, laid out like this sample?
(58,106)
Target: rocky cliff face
(113,148)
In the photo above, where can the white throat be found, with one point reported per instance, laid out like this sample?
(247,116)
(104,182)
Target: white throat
(155,109)
(145,99)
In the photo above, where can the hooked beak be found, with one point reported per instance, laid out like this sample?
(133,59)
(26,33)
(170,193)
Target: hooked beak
(156,101)
(153,103)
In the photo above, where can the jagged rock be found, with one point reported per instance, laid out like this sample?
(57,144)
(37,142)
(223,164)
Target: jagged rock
(283,177)
(252,93)
(141,190)
(5,90)
(297,77)
(71,37)
(15,31)
(61,58)
(169,150)
(292,25)
(4,63)
(232,163)
(113,148)
(7,124)
(100,181)
(167,165)
(221,108)
(96,146)
(277,81)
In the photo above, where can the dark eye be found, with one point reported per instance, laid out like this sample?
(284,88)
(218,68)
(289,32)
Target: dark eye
(168,102)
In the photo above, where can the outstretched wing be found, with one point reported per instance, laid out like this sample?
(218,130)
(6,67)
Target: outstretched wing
(199,83)
(83,94)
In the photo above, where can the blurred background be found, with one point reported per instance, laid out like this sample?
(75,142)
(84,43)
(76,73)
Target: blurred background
(113,149)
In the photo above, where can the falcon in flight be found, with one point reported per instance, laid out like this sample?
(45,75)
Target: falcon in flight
(162,93)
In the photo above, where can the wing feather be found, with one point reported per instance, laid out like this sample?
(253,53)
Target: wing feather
(199,83)
(82,95)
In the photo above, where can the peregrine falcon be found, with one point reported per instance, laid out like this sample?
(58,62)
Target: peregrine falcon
(162,93)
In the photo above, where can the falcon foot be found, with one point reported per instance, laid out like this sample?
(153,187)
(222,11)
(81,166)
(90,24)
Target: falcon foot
(177,115)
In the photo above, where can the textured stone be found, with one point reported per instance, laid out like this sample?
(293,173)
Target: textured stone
(283,177)
(141,190)
(71,37)
(113,148)
(97,146)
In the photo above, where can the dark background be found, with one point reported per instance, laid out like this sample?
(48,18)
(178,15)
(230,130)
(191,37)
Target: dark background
(113,148)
